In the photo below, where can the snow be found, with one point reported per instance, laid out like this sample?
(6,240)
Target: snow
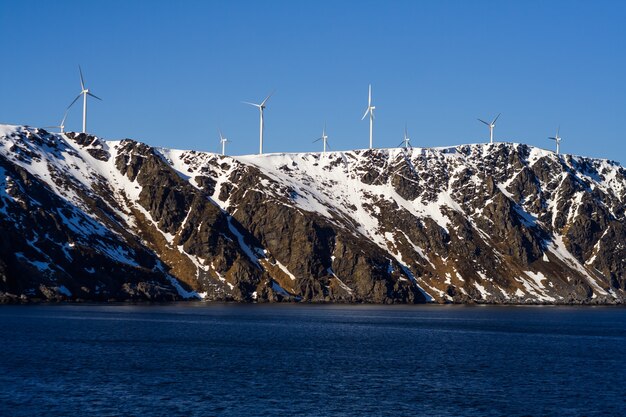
(331,186)
(63,290)
(40,265)
(173,157)
(483,276)
(538,153)
(242,244)
(558,248)
(119,254)
(306,175)
(596,248)
(279,290)
(5,185)
(181,291)
(342,284)
(429,298)
(575,205)
(419,251)
(285,270)
(339,281)
(534,286)
(483,292)
(525,218)
(538,278)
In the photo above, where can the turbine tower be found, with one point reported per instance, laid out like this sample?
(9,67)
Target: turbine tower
(223,142)
(84,92)
(406,139)
(61,126)
(370,110)
(324,139)
(491,126)
(261,108)
(557,139)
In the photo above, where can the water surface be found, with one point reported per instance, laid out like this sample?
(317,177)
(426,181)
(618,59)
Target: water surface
(310,360)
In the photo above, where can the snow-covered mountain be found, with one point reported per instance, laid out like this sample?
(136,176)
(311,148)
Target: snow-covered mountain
(84,218)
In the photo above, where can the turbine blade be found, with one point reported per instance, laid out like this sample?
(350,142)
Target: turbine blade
(328,145)
(365,114)
(267,98)
(82,81)
(481,120)
(77,97)
(94,96)
(552,138)
(252,104)
(64,117)
(494,120)
(369,96)
(317,140)
(401,143)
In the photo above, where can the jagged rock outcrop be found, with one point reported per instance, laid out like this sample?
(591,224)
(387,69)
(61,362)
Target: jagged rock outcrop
(88,219)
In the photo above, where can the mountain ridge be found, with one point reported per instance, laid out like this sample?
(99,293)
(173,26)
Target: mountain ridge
(501,223)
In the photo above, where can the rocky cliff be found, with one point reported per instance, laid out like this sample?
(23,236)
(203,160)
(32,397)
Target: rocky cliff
(88,219)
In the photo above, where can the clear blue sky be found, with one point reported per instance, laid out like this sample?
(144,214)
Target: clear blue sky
(172,73)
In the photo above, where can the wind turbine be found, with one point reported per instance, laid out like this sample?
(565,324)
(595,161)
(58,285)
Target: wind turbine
(406,139)
(557,139)
(370,110)
(491,126)
(261,108)
(61,126)
(84,92)
(324,139)
(223,142)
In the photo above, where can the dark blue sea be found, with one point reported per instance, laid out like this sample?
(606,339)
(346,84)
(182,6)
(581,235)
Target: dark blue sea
(311,360)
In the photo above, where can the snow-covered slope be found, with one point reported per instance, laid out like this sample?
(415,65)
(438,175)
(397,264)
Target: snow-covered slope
(486,223)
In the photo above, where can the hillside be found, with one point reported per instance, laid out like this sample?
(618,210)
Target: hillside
(88,219)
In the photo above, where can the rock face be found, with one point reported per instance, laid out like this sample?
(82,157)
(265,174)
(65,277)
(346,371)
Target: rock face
(87,219)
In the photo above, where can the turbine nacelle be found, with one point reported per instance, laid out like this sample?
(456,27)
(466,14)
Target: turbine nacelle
(223,142)
(557,139)
(261,107)
(370,110)
(83,92)
(491,126)
(324,139)
(405,139)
